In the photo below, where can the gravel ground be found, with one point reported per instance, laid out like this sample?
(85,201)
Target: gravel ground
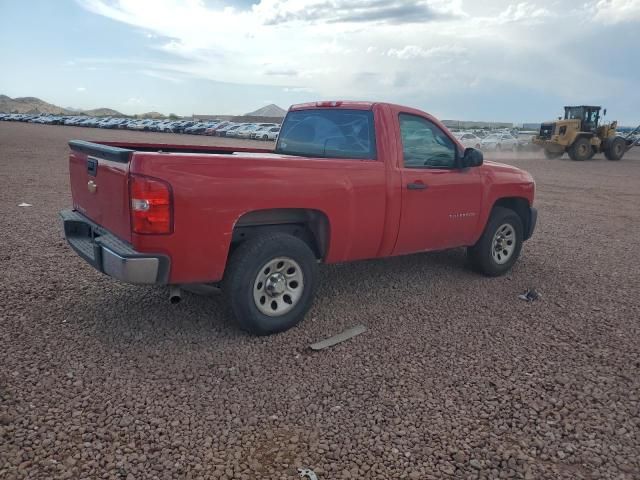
(455,377)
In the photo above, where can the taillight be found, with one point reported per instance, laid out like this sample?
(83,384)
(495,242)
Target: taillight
(151,209)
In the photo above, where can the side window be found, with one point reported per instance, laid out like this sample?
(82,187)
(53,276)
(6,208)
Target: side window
(424,145)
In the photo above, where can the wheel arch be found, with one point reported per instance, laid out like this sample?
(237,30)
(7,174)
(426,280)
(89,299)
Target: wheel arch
(310,225)
(521,206)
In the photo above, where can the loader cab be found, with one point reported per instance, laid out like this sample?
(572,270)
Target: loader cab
(588,116)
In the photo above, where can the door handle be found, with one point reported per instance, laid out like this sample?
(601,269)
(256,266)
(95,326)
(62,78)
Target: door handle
(416,186)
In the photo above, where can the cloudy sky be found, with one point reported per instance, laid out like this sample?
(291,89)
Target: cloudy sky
(464,59)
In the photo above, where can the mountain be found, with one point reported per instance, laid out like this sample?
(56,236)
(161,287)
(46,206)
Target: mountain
(151,115)
(28,105)
(268,111)
(102,112)
(35,105)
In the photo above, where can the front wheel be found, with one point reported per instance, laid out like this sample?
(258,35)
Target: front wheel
(581,150)
(615,148)
(270,282)
(500,244)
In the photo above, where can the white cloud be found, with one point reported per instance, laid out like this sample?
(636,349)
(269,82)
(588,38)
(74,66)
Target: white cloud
(409,52)
(378,49)
(617,11)
(297,89)
(169,77)
(81,89)
(356,11)
(523,11)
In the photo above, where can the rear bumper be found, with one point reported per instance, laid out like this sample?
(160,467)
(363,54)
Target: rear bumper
(533,219)
(110,255)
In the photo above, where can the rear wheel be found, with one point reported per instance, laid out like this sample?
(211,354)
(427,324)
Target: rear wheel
(270,282)
(500,244)
(580,150)
(551,155)
(615,148)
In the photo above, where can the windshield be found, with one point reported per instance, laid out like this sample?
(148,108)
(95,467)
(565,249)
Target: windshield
(338,133)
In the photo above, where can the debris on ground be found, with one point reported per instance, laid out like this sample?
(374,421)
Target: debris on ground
(307,473)
(530,295)
(23,204)
(341,337)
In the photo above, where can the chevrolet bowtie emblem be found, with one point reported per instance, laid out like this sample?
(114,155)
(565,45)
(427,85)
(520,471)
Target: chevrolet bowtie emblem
(92,186)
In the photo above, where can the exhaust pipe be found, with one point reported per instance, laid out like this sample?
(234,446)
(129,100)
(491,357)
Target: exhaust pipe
(175,294)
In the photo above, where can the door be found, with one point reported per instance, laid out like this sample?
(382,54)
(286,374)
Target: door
(440,202)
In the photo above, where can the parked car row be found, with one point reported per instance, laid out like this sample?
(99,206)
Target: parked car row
(256,131)
(496,140)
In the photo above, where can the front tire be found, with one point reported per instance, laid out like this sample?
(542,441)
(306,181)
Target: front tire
(270,282)
(615,148)
(580,150)
(500,244)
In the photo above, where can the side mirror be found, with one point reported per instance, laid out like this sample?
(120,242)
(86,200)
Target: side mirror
(604,114)
(472,158)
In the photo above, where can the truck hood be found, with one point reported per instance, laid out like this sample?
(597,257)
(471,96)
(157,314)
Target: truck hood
(506,172)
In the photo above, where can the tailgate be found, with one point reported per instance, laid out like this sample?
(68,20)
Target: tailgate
(100,185)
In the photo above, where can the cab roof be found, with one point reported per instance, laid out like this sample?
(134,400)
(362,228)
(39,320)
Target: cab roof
(349,104)
(582,106)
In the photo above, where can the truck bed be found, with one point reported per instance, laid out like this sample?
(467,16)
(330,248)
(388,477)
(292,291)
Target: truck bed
(123,150)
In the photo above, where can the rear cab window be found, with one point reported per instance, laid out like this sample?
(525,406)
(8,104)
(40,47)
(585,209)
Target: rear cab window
(328,133)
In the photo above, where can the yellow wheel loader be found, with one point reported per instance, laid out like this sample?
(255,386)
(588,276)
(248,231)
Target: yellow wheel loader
(581,135)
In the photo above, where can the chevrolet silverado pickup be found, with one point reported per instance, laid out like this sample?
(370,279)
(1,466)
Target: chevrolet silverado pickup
(347,181)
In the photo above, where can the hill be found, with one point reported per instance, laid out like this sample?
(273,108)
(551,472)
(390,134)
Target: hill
(268,111)
(28,105)
(151,115)
(35,105)
(102,112)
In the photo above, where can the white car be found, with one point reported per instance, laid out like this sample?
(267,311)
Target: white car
(269,133)
(246,131)
(262,127)
(498,142)
(468,140)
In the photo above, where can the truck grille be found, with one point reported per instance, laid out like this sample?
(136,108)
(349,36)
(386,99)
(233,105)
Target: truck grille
(546,130)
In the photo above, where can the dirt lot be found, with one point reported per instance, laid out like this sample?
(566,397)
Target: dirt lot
(455,377)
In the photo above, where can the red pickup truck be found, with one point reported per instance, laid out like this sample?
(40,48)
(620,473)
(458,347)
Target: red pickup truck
(347,181)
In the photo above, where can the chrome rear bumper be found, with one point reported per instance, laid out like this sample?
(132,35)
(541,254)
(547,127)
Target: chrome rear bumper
(110,255)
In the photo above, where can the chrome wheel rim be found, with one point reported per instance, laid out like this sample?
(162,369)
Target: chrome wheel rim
(278,286)
(503,244)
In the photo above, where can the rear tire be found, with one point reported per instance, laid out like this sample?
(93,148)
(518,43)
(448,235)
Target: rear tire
(615,148)
(580,150)
(552,155)
(270,282)
(500,244)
